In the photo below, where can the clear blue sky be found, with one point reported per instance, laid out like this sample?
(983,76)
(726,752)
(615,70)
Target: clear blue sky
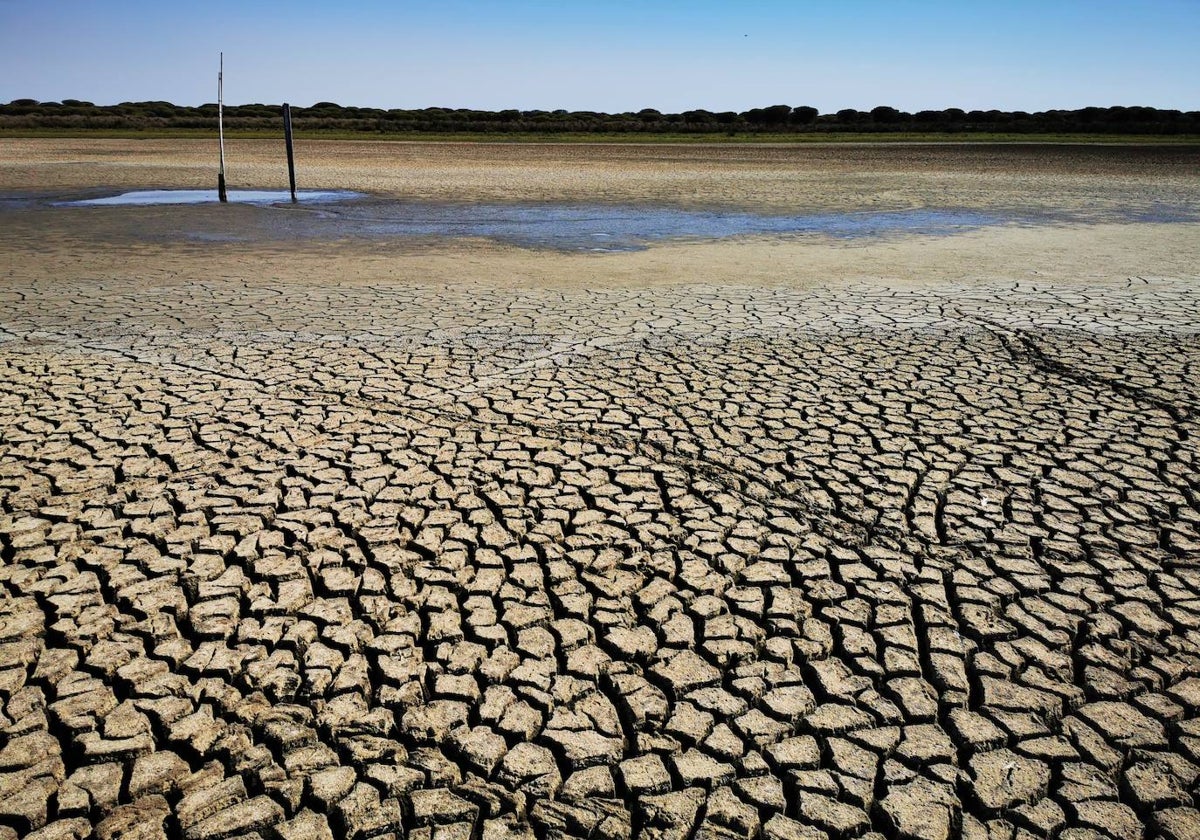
(615,55)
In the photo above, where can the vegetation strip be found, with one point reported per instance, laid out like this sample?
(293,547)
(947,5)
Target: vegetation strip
(775,122)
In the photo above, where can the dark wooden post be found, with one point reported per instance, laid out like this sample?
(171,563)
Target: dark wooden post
(287,136)
(221,130)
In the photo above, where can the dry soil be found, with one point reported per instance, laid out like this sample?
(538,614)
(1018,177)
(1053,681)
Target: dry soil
(750,538)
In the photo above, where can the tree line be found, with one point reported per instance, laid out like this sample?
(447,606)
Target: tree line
(73,114)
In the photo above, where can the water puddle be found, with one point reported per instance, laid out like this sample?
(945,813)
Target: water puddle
(141,198)
(625,228)
(337,214)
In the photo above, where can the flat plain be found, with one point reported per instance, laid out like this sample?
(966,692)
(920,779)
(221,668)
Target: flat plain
(779,537)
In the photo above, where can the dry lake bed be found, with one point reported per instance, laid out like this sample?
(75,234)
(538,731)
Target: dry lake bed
(329,520)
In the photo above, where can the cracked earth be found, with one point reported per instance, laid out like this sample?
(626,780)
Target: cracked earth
(292,555)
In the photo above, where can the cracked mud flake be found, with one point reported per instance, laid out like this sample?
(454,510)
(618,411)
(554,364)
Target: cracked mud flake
(844,565)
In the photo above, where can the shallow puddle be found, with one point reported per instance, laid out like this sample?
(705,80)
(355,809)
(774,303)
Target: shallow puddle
(624,228)
(141,198)
(329,214)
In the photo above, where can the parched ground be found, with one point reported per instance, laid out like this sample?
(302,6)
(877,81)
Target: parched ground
(749,539)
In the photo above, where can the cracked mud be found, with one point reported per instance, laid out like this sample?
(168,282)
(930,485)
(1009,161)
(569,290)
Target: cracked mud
(305,555)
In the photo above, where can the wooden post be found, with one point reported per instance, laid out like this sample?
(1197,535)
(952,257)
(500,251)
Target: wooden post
(221,130)
(287,137)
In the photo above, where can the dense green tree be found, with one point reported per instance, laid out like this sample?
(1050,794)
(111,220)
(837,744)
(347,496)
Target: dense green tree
(885,115)
(804,115)
(776,115)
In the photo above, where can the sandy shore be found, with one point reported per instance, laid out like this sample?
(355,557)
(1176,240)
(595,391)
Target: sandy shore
(759,537)
(813,177)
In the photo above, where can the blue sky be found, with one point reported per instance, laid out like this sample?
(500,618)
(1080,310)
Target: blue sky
(618,55)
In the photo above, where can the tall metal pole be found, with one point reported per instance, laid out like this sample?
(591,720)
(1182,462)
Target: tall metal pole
(221,129)
(287,138)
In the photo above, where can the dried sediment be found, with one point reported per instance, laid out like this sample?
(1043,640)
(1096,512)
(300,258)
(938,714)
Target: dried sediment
(789,178)
(395,555)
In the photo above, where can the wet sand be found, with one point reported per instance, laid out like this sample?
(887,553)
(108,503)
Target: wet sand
(754,537)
